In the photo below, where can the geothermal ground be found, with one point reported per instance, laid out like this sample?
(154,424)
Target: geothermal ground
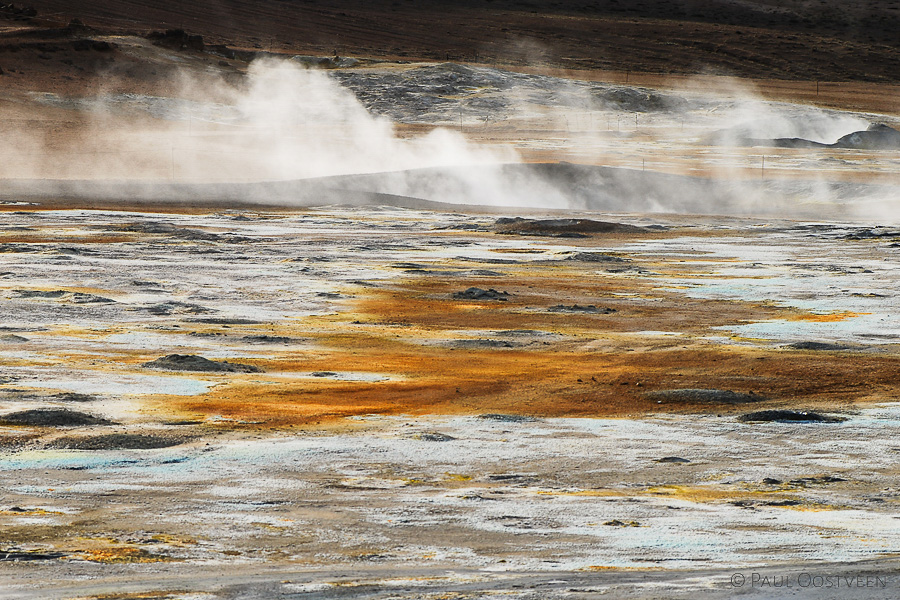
(443,331)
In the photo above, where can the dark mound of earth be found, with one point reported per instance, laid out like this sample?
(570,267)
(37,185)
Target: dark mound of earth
(503,418)
(590,309)
(224,321)
(482,343)
(596,257)
(876,137)
(72,397)
(268,339)
(192,362)
(474,293)
(705,396)
(116,441)
(28,555)
(817,346)
(673,460)
(560,227)
(788,416)
(432,436)
(51,418)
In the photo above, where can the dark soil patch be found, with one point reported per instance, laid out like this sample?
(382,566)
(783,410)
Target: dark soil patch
(28,555)
(51,418)
(224,321)
(503,418)
(596,257)
(268,339)
(117,441)
(474,293)
(192,362)
(482,344)
(673,460)
(705,396)
(72,397)
(788,416)
(590,309)
(434,437)
(561,227)
(817,346)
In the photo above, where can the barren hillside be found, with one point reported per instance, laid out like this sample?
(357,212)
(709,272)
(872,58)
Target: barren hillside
(791,39)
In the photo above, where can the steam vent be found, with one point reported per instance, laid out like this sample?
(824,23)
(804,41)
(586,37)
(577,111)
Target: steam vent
(470,300)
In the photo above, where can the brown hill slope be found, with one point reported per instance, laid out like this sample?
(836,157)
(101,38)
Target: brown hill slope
(790,39)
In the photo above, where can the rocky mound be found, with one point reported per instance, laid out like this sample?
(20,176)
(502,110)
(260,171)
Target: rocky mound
(817,346)
(192,362)
(116,441)
(876,137)
(51,418)
(591,309)
(474,293)
(560,227)
(788,416)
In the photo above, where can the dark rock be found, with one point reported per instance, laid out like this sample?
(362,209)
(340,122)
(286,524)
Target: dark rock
(590,309)
(116,441)
(224,321)
(705,396)
(673,459)
(41,293)
(474,293)
(560,227)
(782,503)
(771,481)
(167,308)
(268,339)
(323,374)
(51,418)
(28,555)
(817,346)
(482,344)
(192,362)
(618,523)
(816,480)
(177,39)
(503,418)
(788,416)
(434,437)
(597,257)
(72,397)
